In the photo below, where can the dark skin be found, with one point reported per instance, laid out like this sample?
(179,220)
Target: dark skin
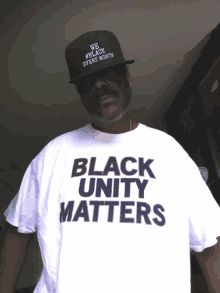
(106,96)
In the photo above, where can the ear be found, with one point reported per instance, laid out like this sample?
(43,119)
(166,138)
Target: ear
(76,89)
(130,84)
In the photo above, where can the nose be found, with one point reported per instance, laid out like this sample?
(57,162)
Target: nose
(99,83)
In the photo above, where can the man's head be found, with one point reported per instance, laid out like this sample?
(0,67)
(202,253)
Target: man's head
(100,74)
(106,94)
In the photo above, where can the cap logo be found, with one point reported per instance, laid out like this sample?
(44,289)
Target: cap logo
(94,46)
(93,52)
(96,52)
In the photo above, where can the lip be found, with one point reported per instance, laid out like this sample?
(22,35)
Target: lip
(107,99)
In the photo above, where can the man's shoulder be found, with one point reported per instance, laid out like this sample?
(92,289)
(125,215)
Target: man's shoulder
(157,134)
(69,136)
(62,142)
(162,141)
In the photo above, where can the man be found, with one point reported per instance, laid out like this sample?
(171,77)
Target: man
(102,80)
(116,205)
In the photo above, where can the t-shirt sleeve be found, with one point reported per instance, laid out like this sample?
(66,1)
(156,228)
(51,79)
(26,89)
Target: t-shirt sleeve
(22,211)
(203,210)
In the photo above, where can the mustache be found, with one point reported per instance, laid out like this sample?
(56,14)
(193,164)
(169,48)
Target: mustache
(106,91)
(112,119)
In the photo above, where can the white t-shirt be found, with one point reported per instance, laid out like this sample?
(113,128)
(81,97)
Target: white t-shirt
(115,212)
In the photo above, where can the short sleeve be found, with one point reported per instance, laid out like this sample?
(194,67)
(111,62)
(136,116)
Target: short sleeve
(22,211)
(203,210)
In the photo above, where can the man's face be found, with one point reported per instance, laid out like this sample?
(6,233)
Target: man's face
(106,94)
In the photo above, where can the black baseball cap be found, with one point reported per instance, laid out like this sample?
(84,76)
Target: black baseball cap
(93,51)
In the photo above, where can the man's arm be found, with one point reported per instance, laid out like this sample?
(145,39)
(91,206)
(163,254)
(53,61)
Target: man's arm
(209,262)
(13,249)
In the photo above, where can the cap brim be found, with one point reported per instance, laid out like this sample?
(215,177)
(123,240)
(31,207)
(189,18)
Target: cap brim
(95,70)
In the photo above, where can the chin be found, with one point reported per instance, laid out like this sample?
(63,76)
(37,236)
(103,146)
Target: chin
(112,118)
(109,119)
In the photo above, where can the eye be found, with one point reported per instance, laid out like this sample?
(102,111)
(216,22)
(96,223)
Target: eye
(117,70)
(106,71)
(109,70)
(120,70)
(83,85)
(86,81)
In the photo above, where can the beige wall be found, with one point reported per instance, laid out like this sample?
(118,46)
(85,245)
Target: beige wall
(36,98)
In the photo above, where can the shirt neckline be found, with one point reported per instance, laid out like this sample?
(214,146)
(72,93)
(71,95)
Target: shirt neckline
(114,134)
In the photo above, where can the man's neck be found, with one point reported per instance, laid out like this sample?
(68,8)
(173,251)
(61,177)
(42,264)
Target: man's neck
(116,127)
